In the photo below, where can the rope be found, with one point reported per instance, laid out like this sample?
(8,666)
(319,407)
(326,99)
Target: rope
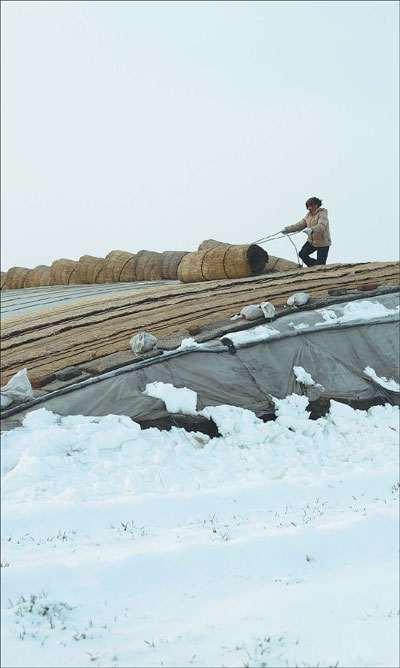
(280,235)
(295,248)
(263,239)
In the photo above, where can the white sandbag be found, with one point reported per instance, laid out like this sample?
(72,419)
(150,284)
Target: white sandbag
(298,299)
(268,309)
(251,312)
(143,342)
(18,387)
(5,401)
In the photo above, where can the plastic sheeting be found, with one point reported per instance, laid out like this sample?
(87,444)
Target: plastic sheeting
(334,355)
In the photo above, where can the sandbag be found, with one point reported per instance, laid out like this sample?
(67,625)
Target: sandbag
(298,299)
(251,312)
(143,342)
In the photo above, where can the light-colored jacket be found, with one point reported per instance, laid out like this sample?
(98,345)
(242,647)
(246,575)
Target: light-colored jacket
(319,223)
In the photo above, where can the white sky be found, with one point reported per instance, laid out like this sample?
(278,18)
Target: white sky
(131,125)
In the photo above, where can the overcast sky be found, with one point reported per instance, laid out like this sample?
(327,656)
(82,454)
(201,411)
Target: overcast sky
(155,125)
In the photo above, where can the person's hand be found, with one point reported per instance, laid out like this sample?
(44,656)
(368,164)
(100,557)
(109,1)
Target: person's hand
(307,231)
(284,231)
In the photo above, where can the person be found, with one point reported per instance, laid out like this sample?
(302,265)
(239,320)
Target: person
(316,225)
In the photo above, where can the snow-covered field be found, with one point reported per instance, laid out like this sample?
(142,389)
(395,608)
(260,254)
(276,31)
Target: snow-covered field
(275,544)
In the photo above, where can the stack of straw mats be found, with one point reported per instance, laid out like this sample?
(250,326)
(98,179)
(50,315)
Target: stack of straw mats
(212,261)
(222,261)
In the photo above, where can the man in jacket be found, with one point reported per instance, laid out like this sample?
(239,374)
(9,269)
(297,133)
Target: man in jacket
(316,225)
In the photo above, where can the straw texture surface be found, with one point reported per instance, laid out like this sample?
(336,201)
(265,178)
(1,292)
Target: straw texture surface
(119,266)
(189,269)
(222,261)
(170,263)
(38,276)
(61,271)
(75,277)
(279,264)
(47,341)
(90,267)
(16,277)
(244,260)
(144,263)
(207,244)
(102,276)
(213,263)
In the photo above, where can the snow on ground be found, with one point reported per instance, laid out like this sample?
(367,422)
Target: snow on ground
(274,544)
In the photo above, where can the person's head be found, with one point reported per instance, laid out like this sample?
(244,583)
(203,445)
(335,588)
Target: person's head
(313,203)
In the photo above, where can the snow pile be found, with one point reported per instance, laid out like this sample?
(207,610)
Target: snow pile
(129,547)
(356,310)
(177,400)
(87,457)
(189,343)
(259,333)
(301,325)
(384,382)
(302,376)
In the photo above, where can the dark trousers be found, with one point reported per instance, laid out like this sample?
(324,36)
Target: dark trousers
(307,250)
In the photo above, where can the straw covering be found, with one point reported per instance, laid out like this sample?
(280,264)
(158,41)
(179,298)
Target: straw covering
(62,270)
(38,276)
(147,266)
(44,342)
(222,261)
(16,277)
(278,264)
(118,266)
(207,244)
(214,260)
(170,263)
(90,268)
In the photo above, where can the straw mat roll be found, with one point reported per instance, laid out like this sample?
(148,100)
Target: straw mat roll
(137,265)
(213,263)
(16,277)
(127,274)
(189,270)
(211,243)
(152,266)
(143,264)
(155,273)
(38,276)
(244,260)
(102,276)
(61,271)
(119,266)
(170,263)
(90,267)
(75,277)
(279,264)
